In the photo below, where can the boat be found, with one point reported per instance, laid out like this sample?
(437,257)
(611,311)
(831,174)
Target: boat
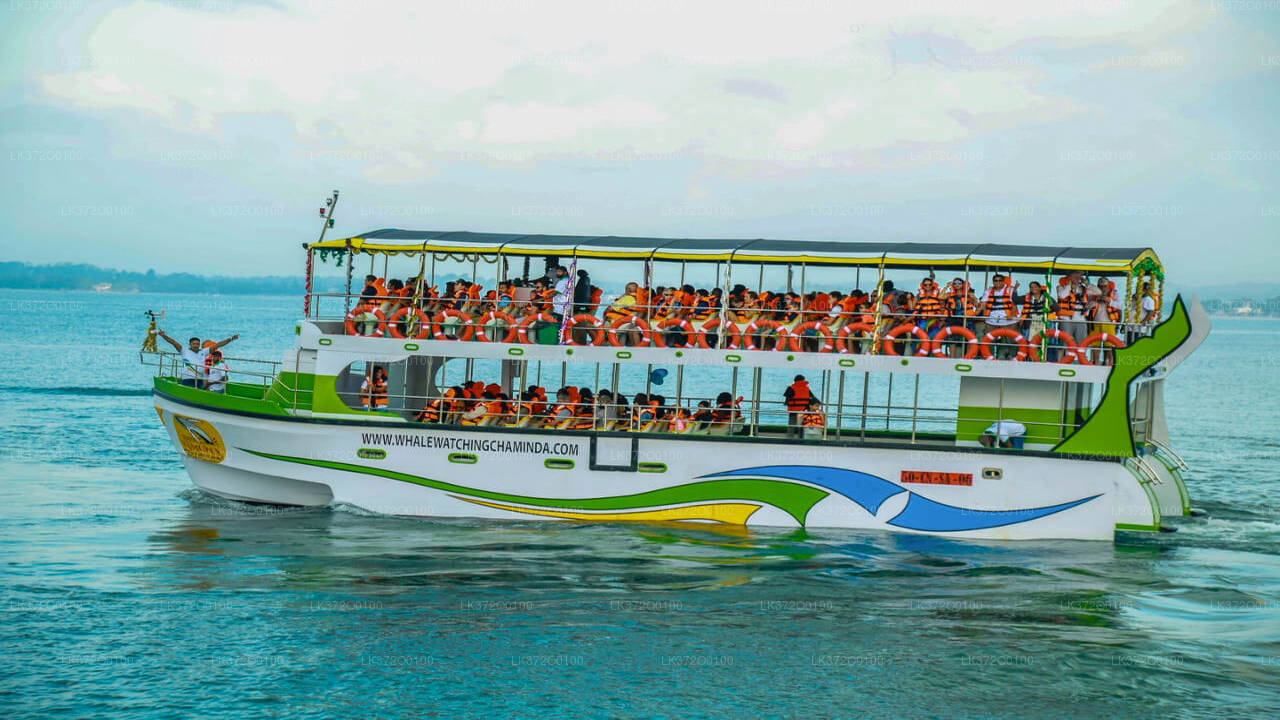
(910,438)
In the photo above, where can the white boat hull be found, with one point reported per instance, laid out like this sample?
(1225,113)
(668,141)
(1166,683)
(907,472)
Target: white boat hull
(434,471)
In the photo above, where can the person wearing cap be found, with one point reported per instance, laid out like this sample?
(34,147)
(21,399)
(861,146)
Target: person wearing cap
(193,358)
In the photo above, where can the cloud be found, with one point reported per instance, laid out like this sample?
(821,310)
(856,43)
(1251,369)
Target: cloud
(415,84)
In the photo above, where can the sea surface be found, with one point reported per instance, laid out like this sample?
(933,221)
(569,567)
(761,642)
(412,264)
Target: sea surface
(125,593)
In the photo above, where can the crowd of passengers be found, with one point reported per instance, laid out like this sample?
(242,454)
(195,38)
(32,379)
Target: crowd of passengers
(474,403)
(1075,306)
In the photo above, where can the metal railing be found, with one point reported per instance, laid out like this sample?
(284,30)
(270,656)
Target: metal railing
(797,329)
(238,370)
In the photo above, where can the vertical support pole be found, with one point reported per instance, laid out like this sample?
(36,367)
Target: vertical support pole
(840,404)
(679,384)
(826,396)
(755,402)
(915,408)
(306,301)
(723,334)
(648,299)
(879,300)
(866,384)
(350,259)
(888,403)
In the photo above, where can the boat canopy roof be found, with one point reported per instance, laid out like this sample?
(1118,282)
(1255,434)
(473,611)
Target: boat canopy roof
(1114,261)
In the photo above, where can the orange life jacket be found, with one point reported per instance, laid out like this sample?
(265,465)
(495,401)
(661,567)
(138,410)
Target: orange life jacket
(1001,300)
(800,395)
(813,419)
(1069,306)
(375,393)
(430,413)
(1034,308)
(613,312)
(959,304)
(929,305)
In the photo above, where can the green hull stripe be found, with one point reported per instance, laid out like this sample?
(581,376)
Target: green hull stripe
(1143,528)
(794,499)
(225,401)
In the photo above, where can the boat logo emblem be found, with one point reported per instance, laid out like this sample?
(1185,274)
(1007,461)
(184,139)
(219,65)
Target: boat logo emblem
(199,439)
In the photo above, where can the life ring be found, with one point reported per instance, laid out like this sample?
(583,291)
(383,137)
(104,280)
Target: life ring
(645,333)
(492,315)
(925,343)
(468,327)
(367,309)
(1023,348)
(674,322)
(748,334)
(595,335)
(1071,353)
(1098,337)
(828,338)
(735,335)
(522,330)
(842,335)
(971,344)
(424,323)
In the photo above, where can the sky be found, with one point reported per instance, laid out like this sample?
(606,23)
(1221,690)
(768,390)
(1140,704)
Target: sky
(203,136)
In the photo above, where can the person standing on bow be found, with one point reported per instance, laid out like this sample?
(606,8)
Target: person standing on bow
(193,358)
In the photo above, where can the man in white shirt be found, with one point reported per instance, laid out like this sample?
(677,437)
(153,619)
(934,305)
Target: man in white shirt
(192,373)
(560,302)
(1072,300)
(1002,433)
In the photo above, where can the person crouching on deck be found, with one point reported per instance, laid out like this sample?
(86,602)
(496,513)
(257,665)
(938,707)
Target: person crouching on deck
(193,358)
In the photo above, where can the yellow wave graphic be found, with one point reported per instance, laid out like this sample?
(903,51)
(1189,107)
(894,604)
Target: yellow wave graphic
(727,513)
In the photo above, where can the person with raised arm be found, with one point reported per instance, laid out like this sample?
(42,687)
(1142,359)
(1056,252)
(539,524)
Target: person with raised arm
(193,358)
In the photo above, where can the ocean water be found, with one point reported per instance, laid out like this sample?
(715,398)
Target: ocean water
(127,594)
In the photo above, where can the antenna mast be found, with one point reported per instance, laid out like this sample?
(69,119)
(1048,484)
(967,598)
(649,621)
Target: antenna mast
(326,212)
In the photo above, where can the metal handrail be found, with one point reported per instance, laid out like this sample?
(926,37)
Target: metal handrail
(1150,476)
(1164,449)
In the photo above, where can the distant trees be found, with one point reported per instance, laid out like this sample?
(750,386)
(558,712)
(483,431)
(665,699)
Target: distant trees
(81,276)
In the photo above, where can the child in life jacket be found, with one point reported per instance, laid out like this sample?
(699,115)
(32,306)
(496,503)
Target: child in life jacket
(813,420)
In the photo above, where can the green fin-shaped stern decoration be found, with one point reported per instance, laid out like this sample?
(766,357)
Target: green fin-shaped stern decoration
(1108,432)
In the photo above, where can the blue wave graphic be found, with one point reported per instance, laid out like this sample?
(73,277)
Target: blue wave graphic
(868,491)
(920,513)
